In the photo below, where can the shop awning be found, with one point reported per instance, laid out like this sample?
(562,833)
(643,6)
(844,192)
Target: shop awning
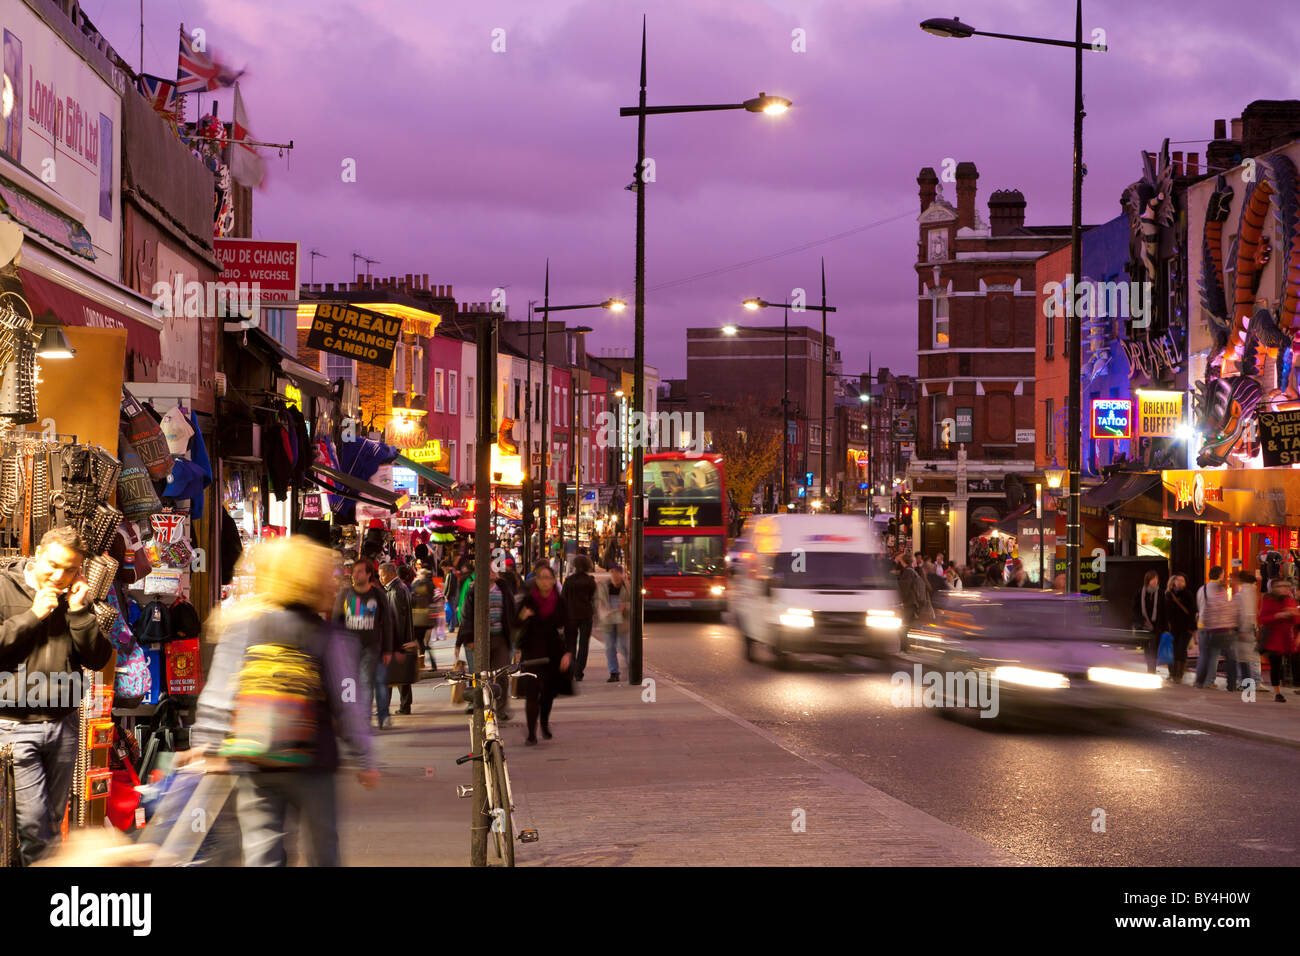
(1118,490)
(78,298)
(424,471)
(1011,523)
(348,486)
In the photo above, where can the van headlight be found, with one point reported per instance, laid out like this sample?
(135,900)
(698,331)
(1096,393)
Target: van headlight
(1121,678)
(1028,677)
(797,617)
(883,619)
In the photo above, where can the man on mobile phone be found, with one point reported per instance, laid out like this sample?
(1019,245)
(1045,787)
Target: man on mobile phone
(48,633)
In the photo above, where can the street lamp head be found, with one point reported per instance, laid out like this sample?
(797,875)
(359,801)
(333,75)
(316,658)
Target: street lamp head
(941,27)
(1055,475)
(614,305)
(729,330)
(618,393)
(753,304)
(582,328)
(864,398)
(771,105)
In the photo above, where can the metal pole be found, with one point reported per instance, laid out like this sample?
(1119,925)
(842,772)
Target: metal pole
(636,544)
(528,443)
(546,408)
(785,418)
(480,821)
(821,432)
(1073,540)
(1038,495)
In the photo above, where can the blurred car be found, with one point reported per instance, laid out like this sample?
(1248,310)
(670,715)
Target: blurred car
(1050,654)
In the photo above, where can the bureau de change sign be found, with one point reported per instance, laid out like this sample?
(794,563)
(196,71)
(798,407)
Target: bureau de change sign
(354,333)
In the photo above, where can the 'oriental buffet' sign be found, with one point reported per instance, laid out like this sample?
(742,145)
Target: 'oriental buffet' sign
(355,333)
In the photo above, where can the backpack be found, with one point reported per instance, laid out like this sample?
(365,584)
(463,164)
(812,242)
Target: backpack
(154,626)
(277,701)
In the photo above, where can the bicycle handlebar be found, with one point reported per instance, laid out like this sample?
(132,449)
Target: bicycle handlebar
(499,672)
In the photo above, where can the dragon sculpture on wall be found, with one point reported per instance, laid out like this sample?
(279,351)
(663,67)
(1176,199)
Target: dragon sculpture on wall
(1244,334)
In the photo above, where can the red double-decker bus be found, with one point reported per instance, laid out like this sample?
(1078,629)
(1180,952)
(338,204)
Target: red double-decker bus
(685,532)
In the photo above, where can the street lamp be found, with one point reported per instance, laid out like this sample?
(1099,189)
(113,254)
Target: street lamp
(610,305)
(754,305)
(763,103)
(955,28)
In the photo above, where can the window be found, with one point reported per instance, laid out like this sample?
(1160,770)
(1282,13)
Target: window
(1049,330)
(399,368)
(1049,432)
(336,367)
(453,391)
(940,321)
(471,398)
(469,462)
(938,245)
(939,410)
(1000,318)
(418,382)
(437,389)
(518,391)
(451,458)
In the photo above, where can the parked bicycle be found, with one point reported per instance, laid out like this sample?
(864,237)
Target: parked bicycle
(499,800)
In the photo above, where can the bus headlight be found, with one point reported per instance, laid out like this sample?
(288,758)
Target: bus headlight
(717,590)
(883,619)
(797,617)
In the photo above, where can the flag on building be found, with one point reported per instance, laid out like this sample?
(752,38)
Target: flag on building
(246,165)
(161,95)
(198,72)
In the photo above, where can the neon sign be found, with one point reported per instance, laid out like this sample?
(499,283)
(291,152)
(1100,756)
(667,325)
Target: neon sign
(1112,418)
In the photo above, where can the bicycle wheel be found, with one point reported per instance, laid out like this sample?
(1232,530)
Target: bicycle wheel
(503,829)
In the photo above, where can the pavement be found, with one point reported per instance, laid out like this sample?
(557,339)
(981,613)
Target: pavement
(1254,716)
(654,775)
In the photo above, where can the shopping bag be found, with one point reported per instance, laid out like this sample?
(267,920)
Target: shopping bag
(1165,655)
(458,687)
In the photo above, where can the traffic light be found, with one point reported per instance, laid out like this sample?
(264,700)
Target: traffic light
(893,526)
(563,493)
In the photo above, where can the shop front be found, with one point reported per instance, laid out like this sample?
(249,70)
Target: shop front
(1246,519)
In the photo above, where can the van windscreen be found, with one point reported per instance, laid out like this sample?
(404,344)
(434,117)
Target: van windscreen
(833,571)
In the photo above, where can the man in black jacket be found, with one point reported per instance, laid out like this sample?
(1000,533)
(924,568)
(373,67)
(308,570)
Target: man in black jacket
(579,596)
(48,634)
(402,666)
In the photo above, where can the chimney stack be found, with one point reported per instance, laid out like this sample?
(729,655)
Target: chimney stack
(927,181)
(967,174)
(1193,164)
(1220,129)
(1006,211)
(1178,162)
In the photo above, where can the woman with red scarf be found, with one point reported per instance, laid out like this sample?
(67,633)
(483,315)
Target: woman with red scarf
(543,624)
(1278,616)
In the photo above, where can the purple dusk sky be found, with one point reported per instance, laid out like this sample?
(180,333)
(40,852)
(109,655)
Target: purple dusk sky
(475,166)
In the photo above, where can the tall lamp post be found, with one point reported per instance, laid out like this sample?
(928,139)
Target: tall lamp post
(528,445)
(754,305)
(763,103)
(612,305)
(955,28)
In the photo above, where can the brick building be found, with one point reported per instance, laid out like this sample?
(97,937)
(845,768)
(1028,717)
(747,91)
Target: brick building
(976,324)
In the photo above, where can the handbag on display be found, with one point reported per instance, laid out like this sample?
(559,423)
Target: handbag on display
(146,437)
(136,495)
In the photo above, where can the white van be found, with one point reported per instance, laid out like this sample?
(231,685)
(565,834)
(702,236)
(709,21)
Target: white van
(815,584)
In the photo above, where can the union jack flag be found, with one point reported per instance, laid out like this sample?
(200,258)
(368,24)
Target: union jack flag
(160,93)
(197,72)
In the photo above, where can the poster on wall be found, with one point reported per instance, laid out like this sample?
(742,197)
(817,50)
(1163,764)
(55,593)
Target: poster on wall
(63,127)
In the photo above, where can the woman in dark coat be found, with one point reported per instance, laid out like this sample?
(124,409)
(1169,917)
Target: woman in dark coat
(1150,617)
(1180,618)
(543,622)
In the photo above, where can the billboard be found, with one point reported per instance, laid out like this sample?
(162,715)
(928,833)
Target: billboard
(64,127)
